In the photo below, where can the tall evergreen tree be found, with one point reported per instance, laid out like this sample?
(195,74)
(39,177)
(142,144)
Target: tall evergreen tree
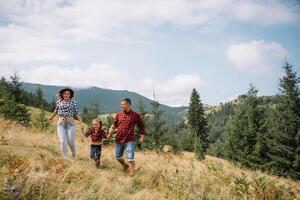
(91,112)
(16,89)
(158,128)
(286,145)
(245,135)
(4,88)
(143,113)
(198,125)
(39,98)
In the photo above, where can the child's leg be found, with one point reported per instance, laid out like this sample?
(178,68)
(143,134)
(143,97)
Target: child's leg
(98,155)
(92,152)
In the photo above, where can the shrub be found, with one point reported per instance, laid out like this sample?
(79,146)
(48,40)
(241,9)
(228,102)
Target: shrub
(9,109)
(40,121)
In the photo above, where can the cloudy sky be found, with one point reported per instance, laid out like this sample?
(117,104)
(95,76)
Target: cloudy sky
(171,46)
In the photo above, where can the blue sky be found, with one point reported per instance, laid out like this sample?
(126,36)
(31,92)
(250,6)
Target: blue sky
(171,46)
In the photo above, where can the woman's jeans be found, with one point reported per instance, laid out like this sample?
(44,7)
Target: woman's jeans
(66,134)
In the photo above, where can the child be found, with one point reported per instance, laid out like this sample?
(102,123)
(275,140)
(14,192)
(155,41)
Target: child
(96,133)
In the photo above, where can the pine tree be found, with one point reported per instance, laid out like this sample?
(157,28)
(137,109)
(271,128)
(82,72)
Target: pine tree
(158,128)
(285,148)
(4,88)
(198,125)
(39,98)
(246,136)
(91,112)
(143,113)
(16,89)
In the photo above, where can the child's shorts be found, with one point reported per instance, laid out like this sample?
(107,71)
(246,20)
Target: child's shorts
(95,152)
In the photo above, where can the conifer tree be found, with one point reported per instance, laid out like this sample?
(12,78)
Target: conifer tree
(246,136)
(143,113)
(157,127)
(91,112)
(285,149)
(39,98)
(16,89)
(198,125)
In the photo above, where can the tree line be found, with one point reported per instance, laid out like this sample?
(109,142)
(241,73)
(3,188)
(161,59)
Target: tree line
(261,132)
(14,102)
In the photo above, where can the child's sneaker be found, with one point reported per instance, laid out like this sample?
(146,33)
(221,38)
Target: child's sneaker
(98,164)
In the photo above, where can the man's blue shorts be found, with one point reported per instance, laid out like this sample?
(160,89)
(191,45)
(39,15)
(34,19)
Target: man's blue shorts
(129,147)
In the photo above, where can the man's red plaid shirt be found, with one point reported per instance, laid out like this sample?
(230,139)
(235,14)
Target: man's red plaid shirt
(124,123)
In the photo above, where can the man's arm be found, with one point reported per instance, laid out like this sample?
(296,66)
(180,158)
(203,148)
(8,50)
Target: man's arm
(111,130)
(113,126)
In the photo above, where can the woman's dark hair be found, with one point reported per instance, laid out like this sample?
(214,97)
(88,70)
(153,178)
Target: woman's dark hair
(61,93)
(127,100)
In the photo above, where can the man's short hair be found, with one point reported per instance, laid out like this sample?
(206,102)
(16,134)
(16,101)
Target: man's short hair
(127,100)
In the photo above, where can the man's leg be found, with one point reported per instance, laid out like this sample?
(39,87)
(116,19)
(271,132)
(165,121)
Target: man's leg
(132,168)
(130,146)
(119,155)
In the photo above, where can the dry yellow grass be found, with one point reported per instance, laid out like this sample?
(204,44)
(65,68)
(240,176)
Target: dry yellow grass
(32,160)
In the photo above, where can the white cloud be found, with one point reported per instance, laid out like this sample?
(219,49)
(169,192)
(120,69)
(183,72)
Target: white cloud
(256,56)
(266,12)
(174,91)
(20,45)
(45,30)
(101,75)
(99,19)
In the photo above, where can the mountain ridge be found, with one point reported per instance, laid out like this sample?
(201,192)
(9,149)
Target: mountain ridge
(108,99)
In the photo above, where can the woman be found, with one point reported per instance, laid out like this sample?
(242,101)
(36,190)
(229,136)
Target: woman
(67,110)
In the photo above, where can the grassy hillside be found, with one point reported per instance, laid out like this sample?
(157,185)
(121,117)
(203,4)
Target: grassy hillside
(109,100)
(31,160)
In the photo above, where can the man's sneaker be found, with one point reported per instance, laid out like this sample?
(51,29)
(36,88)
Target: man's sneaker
(125,167)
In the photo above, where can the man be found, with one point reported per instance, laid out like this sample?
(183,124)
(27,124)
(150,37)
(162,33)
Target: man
(124,124)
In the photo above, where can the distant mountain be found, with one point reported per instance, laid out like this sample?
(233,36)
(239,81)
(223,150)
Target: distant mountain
(109,100)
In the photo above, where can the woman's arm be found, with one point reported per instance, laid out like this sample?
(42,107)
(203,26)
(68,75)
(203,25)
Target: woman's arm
(81,122)
(77,114)
(53,114)
(87,133)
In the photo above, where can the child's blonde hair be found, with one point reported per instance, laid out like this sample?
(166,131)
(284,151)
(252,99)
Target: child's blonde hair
(97,120)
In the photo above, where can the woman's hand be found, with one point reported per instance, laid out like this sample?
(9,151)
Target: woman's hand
(82,126)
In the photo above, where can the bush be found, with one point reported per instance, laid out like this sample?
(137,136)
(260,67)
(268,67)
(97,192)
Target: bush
(40,121)
(10,109)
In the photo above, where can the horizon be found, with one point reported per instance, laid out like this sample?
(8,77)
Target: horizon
(88,87)
(217,47)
